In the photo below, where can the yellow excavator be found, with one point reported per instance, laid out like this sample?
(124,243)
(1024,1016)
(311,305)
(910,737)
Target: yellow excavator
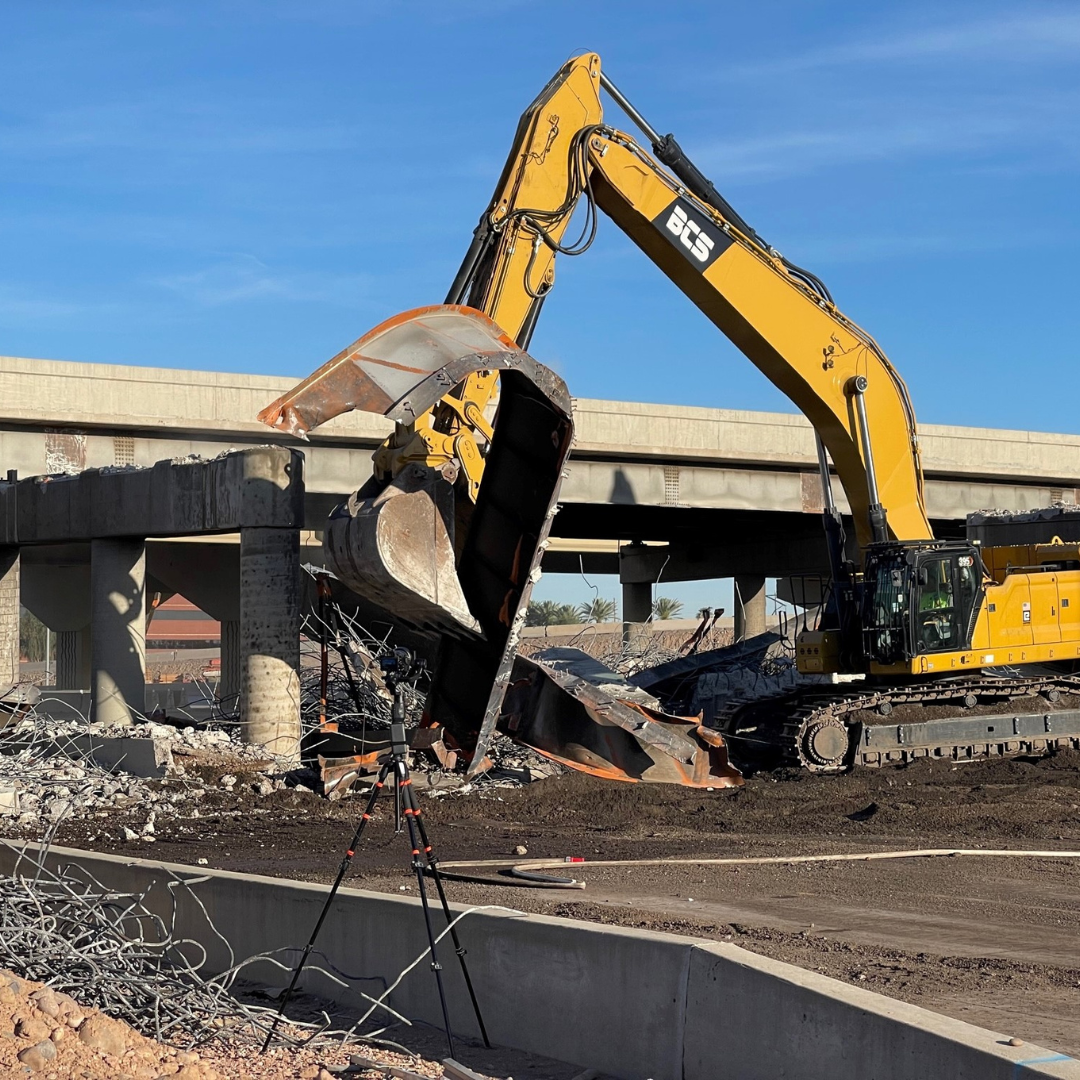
(953,639)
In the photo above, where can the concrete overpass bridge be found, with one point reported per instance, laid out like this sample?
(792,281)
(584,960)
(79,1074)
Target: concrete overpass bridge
(711,492)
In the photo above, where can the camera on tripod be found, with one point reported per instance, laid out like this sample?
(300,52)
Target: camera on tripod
(400,666)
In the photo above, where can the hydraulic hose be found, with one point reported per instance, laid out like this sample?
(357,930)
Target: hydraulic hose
(529,870)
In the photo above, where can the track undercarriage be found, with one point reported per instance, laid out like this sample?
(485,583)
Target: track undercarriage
(831,729)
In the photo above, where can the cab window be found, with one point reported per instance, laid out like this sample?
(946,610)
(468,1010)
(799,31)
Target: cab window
(949,589)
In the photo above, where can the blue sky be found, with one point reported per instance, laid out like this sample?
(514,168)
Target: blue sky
(248,185)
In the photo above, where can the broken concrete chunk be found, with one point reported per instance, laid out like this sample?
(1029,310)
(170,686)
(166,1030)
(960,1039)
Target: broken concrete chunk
(104,1034)
(37,1057)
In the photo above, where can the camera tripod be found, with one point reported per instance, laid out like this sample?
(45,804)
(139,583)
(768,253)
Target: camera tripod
(394,779)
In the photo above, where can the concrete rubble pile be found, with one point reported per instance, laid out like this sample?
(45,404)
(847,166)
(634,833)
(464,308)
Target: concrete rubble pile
(54,770)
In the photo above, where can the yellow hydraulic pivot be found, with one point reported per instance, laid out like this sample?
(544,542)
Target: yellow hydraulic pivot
(528,214)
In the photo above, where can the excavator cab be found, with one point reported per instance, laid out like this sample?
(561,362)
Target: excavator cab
(919,598)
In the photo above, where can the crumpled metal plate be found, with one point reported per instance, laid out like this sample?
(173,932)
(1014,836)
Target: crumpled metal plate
(575,722)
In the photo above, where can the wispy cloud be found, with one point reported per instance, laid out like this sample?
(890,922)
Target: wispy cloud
(865,102)
(242,278)
(1016,39)
(1045,129)
(165,126)
(22,306)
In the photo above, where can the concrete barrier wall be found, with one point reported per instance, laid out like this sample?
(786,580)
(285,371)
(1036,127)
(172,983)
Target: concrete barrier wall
(630,1003)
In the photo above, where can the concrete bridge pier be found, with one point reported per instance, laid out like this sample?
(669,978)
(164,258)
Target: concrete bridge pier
(232,661)
(636,601)
(73,651)
(269,632)
(749,606)
(56,588)
(9,615)
(86,536)
(637,573)
(118,630)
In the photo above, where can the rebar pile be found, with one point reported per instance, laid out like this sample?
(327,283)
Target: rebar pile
(115,952)
(356,695)
(123,954)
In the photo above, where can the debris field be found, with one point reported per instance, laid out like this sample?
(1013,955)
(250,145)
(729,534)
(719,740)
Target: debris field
(953,935)
(959,936)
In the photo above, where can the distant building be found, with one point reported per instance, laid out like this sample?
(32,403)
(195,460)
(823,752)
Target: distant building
(178,624)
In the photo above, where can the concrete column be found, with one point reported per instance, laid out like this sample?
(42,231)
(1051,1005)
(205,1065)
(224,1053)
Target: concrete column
(118,629)
(270,639)
(231,663)
(9,615)
(638,565)
(73,659)
(749,606)
(636,601)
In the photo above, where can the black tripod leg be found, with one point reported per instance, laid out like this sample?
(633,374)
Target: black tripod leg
(365,817)
(433,866)
(404,788)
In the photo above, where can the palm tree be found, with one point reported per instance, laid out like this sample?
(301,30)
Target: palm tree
(598,610)
(567,615)
(550,613)
(704,613)
(542,613)
(664,607)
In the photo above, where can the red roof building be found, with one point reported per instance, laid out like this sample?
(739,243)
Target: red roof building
(178,624)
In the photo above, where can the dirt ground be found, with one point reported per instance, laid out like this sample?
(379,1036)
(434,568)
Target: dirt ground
(992,941)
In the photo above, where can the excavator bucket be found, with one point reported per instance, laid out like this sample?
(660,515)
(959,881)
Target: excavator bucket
(396,547)
(440,563)
(395,543)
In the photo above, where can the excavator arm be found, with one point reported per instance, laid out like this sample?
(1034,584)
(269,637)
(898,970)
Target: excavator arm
(565,166)
(781,317)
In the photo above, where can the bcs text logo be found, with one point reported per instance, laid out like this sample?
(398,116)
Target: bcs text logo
(700,241)
(689,233)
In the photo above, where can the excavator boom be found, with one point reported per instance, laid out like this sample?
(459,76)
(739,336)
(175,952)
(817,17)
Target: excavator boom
(779,316)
